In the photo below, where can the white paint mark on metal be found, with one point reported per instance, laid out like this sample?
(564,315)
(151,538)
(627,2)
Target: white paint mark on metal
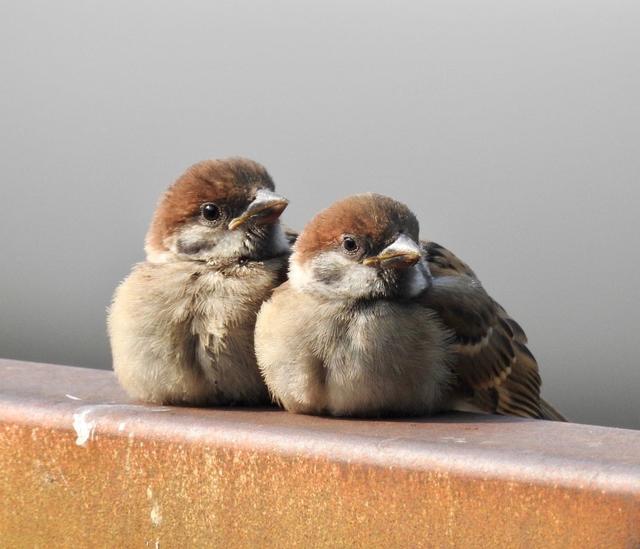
(156,514)
(83,426)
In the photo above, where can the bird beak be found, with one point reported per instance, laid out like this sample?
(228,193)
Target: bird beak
(401,254)
(266,208)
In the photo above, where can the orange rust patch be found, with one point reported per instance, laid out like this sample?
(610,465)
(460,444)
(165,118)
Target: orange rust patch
(174,477)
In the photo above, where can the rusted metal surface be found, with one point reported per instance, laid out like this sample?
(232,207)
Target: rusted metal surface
(81,466)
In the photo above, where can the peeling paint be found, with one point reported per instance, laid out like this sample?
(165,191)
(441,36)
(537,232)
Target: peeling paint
(83,426)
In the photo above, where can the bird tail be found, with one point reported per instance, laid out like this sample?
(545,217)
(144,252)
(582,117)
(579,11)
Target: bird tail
(549,412)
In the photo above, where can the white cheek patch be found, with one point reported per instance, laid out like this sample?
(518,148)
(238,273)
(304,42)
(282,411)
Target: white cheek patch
(359,280)
(231,244)
(189,237)
(201,242)
(206,242)
(355,280)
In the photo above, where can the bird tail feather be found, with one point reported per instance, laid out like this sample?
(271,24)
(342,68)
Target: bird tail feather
(549,412)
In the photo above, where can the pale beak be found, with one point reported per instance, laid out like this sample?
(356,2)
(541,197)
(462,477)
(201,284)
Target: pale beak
(401,254)
(265,208)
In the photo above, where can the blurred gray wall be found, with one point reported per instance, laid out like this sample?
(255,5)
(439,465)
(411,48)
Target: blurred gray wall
(511,128)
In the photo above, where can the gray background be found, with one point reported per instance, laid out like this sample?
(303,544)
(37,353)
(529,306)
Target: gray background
(511,128)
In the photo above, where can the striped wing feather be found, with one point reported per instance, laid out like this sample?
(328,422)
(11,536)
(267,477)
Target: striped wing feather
(495,370)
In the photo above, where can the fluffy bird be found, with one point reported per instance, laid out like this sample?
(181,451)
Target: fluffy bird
(373,322)
(181,324)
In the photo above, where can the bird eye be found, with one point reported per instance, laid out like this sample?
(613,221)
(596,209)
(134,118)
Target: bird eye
(349,244)
(210,212)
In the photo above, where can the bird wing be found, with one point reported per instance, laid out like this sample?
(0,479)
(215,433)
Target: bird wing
(495,371)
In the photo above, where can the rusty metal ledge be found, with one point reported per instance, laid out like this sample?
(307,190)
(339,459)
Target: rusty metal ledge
(82,466)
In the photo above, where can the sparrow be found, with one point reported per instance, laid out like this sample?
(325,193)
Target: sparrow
(375,322)
(181,324)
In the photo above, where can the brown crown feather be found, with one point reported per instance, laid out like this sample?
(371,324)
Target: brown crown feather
(233,180)
(373,216)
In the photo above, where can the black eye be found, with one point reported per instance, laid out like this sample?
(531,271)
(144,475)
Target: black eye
(210,212)
(349,244)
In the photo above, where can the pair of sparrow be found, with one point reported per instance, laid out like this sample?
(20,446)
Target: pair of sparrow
(356,316)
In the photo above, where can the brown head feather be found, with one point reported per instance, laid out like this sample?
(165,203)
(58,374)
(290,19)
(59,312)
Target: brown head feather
(372,216)
(233,180)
